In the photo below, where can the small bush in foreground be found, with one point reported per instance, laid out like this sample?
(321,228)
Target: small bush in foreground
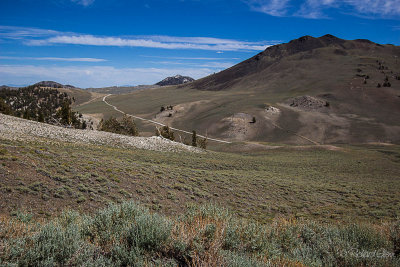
(130,235)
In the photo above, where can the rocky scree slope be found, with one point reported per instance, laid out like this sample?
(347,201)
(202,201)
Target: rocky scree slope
(13,128)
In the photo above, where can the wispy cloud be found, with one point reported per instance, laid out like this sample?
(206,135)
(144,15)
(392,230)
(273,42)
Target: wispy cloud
(316,9)
(193,58)
(96,76)
(216,66)
(14,32)
(198,43)
(70,59)
(42,37)
(276,8)
(383,7)
(195,40)
(83,2)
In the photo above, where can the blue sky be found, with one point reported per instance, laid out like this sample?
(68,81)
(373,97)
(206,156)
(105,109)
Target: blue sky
(94,43)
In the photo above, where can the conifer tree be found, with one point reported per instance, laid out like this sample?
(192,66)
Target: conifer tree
(40,116)
(129,126)
(4,107)
(194,138)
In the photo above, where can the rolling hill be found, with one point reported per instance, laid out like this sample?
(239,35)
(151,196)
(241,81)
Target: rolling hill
(310,90)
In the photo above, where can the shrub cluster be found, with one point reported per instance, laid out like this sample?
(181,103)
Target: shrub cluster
(165,132)
(125,126)
(381,66)
(130,235)
(170,107)
(386,82)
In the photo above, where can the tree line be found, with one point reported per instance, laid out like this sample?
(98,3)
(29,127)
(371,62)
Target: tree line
(42,105)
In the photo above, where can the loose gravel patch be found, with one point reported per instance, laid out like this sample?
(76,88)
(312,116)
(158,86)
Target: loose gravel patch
(13,128)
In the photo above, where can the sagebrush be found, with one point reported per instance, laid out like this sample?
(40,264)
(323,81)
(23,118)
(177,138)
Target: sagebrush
(128,234)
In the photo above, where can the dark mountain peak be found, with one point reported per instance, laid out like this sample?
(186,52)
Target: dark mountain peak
(307,42)
(330,36)
(331,39)
(325,38)
(303,44)
(175,80)
(303,39)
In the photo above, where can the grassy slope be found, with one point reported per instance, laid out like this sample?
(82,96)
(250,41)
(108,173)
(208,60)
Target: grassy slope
(357,182)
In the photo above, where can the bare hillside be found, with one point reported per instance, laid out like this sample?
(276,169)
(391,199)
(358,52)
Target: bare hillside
(311,90)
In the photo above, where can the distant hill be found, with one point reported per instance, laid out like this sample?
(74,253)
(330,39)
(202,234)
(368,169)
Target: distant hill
(8,87)
(53,84)
(121,89)
(175,80)
(77,95)
(42,104)
(49,84)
